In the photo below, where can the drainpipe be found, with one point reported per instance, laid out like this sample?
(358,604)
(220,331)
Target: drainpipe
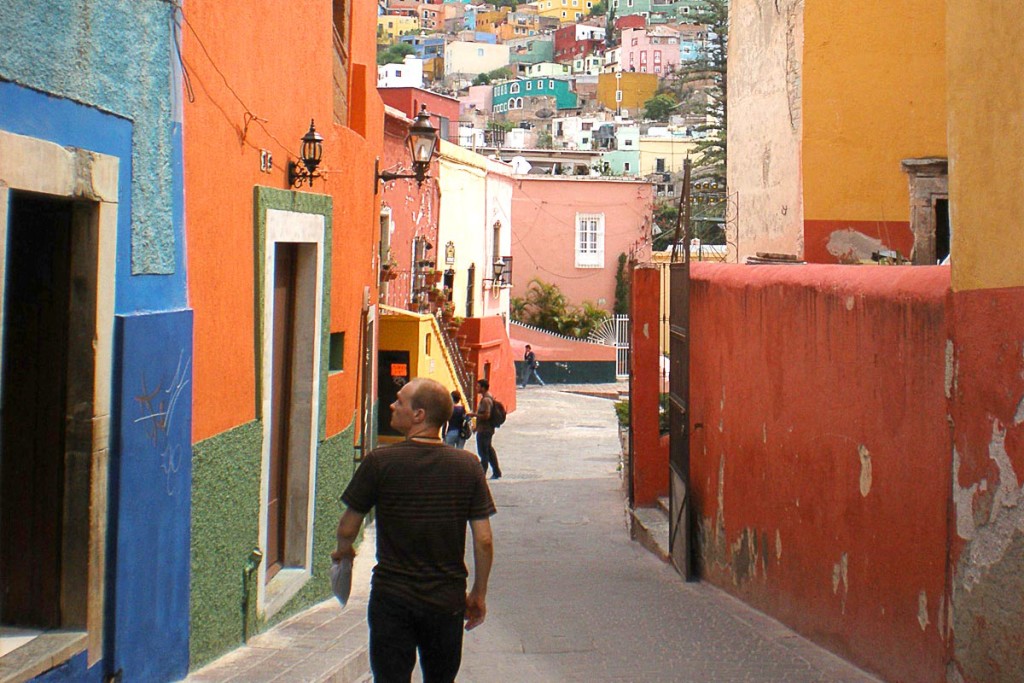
(252,563)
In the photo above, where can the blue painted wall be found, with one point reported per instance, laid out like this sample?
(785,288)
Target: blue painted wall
(100,75)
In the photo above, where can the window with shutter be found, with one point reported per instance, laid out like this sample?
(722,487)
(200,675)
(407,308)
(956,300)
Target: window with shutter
(590,240)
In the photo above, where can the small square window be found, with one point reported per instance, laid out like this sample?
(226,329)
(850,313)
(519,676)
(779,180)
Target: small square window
(336,359)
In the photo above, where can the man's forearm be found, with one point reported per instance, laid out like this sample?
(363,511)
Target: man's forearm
(483,558)
(348,530)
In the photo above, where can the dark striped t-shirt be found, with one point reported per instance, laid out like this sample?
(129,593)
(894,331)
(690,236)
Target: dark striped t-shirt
(424,495)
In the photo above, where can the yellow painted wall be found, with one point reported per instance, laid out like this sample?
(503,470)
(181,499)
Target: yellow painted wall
(414,333)
(986,137)
(636,89)
(874,93)
(391,27)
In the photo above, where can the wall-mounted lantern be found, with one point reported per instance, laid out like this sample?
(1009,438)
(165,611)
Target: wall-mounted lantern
(312,153)
(422,142)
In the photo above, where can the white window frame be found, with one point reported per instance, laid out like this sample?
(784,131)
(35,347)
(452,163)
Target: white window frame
(589,240)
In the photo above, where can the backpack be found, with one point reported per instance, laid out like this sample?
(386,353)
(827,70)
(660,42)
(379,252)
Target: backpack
(498,413)
(465,431)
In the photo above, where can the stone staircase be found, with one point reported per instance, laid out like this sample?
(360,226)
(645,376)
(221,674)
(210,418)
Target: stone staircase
(649,527)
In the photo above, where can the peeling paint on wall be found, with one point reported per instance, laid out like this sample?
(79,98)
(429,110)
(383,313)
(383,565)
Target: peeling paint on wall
(950,368)
(840,574)
(922,610)
(850,245)
(865,470)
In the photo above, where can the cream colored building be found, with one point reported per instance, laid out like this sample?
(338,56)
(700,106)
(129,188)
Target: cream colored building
(474,228)
(664,153)
(470,59)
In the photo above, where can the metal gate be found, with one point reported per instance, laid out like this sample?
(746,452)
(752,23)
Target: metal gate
(680,502)
(621,346)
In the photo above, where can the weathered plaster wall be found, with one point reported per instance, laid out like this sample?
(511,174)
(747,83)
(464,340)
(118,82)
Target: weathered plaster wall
(873,93)
(117,57)
(820,453)
(225,497)
(985,371)
(765,55)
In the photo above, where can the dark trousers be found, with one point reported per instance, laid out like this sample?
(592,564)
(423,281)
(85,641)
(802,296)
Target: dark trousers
(398,630)
(487,453)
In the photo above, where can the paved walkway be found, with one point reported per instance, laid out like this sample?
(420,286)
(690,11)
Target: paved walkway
(571,597)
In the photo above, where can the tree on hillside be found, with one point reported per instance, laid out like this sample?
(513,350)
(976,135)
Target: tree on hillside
(708,73)
(659,107)
(599,9)
(498,74)
(394,54)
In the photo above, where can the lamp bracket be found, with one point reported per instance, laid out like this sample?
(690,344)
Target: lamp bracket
(419,175)
(298,174)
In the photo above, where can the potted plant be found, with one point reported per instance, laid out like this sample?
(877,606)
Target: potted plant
(388,269)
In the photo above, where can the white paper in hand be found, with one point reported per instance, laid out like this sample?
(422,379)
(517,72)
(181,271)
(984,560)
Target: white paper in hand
(341,580)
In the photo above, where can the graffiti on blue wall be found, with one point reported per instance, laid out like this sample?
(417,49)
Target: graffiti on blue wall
(159,406)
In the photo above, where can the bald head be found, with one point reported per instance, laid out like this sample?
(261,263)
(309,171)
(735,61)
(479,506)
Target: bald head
(433,399)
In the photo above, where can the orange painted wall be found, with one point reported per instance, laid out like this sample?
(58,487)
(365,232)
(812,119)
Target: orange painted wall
(874,90)
(259,74)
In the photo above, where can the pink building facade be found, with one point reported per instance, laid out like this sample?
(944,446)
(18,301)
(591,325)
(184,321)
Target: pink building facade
(569,231)
(650,51)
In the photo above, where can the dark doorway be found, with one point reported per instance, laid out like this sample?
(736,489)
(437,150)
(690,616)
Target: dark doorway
(942,230)
(34,409)
(285,290)
(392,374)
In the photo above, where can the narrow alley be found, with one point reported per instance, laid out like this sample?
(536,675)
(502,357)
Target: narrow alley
(572,598)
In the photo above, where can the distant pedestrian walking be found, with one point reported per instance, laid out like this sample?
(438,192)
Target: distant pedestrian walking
(530,367)
(485,430)
(457,431)
(424,493)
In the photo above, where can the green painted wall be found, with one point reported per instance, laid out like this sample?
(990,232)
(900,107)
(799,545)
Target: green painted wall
(572,372)
(225,518)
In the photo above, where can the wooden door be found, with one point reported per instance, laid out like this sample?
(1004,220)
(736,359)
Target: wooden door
(285,260)
(34,397)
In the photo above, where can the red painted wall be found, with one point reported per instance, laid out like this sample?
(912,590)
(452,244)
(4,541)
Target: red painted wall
(649,454)
(409,100)
(248,99)
(487,342)
(820,453)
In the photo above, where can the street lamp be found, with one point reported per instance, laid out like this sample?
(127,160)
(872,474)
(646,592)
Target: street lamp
(422,142)
(312,153)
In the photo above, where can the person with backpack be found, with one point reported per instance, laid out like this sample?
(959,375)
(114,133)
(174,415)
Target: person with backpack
(488,417)
(457,432)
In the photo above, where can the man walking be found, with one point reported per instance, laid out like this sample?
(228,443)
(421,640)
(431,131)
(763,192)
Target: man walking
(530,367)
(485,429)
(424,492)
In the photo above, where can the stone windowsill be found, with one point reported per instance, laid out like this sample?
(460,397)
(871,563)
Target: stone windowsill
(42,653)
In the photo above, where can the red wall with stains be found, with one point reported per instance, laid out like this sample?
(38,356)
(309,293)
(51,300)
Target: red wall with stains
(414,209)
(820,453)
